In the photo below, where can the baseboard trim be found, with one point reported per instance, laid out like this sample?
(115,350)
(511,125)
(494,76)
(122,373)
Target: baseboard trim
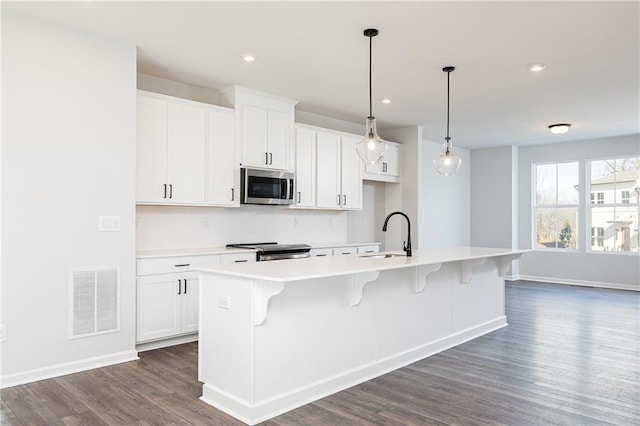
(254,413)
(580,283)
(66,368)
(157,344)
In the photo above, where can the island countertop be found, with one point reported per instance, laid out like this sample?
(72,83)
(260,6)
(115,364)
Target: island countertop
(303,269)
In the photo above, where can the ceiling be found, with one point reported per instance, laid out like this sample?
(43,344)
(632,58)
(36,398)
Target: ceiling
(316,53)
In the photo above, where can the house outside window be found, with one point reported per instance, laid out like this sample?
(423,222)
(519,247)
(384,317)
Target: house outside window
(556,205)
(597,238)
(618,179)
(597,198)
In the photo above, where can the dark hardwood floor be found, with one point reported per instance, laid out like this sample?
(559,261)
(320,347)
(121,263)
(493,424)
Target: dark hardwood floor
(570,355)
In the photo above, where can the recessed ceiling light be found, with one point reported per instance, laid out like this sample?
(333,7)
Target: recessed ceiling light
(248,58)
(537,67)
(386,101)
(560,128)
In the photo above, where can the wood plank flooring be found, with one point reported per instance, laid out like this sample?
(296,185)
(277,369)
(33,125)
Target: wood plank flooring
(569,356)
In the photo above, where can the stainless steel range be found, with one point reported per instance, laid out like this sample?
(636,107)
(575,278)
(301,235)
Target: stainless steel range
(275,251)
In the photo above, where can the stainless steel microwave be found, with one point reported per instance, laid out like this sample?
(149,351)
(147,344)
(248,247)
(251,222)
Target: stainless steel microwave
(259,186)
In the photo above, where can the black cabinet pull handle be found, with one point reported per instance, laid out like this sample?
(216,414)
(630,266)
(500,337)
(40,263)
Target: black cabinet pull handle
(185,286)
(241,260)
(182,264)
(179,286)
(299,197)
(233,195)
(270,158)
(266,158)
(345,200)
(338,199)
(170,190)
(165,190)
(320,255)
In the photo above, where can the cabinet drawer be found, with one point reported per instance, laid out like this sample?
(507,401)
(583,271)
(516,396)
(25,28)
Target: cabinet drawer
(320,252)
(368,249)
(344,250)
(238,258)
(166,265)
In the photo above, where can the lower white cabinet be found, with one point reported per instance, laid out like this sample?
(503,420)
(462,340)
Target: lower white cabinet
(167,305)
(344,250)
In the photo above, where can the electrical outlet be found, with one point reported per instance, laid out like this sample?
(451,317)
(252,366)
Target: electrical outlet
(223,302)
(109,223)
(3,333)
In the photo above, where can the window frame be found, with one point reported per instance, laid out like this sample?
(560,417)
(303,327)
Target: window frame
(536,206)
(590,206)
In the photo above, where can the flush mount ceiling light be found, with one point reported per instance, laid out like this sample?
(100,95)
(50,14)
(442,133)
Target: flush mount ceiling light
(447,163)
(386,101)
(248,58)
(371,149)
(560,128)
(537,67)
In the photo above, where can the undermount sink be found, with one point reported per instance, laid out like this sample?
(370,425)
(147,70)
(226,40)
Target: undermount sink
(384,254)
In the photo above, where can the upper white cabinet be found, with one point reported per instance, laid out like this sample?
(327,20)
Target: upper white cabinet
(264,127)
(389,169)
(170,152)
(338,171)
(222,178)
(185,152)
(305,168)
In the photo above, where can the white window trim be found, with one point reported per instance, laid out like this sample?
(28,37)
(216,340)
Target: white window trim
(534,222)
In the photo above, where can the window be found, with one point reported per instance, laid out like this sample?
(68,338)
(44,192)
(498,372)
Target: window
(618,179)
(597,198)
(597,238)
(556,205)
(625,197)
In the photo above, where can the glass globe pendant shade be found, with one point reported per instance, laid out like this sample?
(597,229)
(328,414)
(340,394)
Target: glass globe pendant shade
(372,148)
(447,163)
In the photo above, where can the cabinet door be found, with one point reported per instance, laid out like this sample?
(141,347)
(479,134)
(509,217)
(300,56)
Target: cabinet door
(254,136)
(189,300)
(305,168)
(221,163)
(186,134)
(151,150)
(328,170)
(278,140)
(351,168)
(158,306)
(390,164)
(338,251)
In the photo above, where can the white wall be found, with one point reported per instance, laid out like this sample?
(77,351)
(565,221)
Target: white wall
(604,269)
(68,156)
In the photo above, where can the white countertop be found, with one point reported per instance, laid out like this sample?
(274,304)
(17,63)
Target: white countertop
(301,269)
(146,254)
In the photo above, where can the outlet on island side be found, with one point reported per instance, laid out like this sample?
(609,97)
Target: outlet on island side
(223,302)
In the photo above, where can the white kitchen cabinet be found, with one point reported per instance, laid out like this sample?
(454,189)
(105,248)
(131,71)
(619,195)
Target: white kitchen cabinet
(368,249)
(238,258)
(338,251)
(167,305)
(339,172)
(389,169)
(222,173)
(351,174)
(321,252)
(170,152)
(264,127)
(305,168)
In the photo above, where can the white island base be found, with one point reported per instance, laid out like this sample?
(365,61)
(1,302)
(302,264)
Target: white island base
(277,335)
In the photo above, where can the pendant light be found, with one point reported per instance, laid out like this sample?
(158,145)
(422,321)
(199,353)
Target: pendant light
(371,148)
(447,163)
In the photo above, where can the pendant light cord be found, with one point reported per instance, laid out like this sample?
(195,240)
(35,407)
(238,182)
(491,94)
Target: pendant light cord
(448,138)
(370,91)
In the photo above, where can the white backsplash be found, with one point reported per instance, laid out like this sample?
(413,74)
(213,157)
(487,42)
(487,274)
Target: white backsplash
(164,227)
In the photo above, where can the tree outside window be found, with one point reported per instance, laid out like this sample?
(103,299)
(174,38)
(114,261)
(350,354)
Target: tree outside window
(556,205)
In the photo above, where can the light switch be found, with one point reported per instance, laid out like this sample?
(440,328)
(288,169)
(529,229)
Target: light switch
(108,223)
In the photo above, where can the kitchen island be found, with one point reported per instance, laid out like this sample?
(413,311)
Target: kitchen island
(277,335)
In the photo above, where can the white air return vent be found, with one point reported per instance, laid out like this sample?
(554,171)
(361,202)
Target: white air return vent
(94,301)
